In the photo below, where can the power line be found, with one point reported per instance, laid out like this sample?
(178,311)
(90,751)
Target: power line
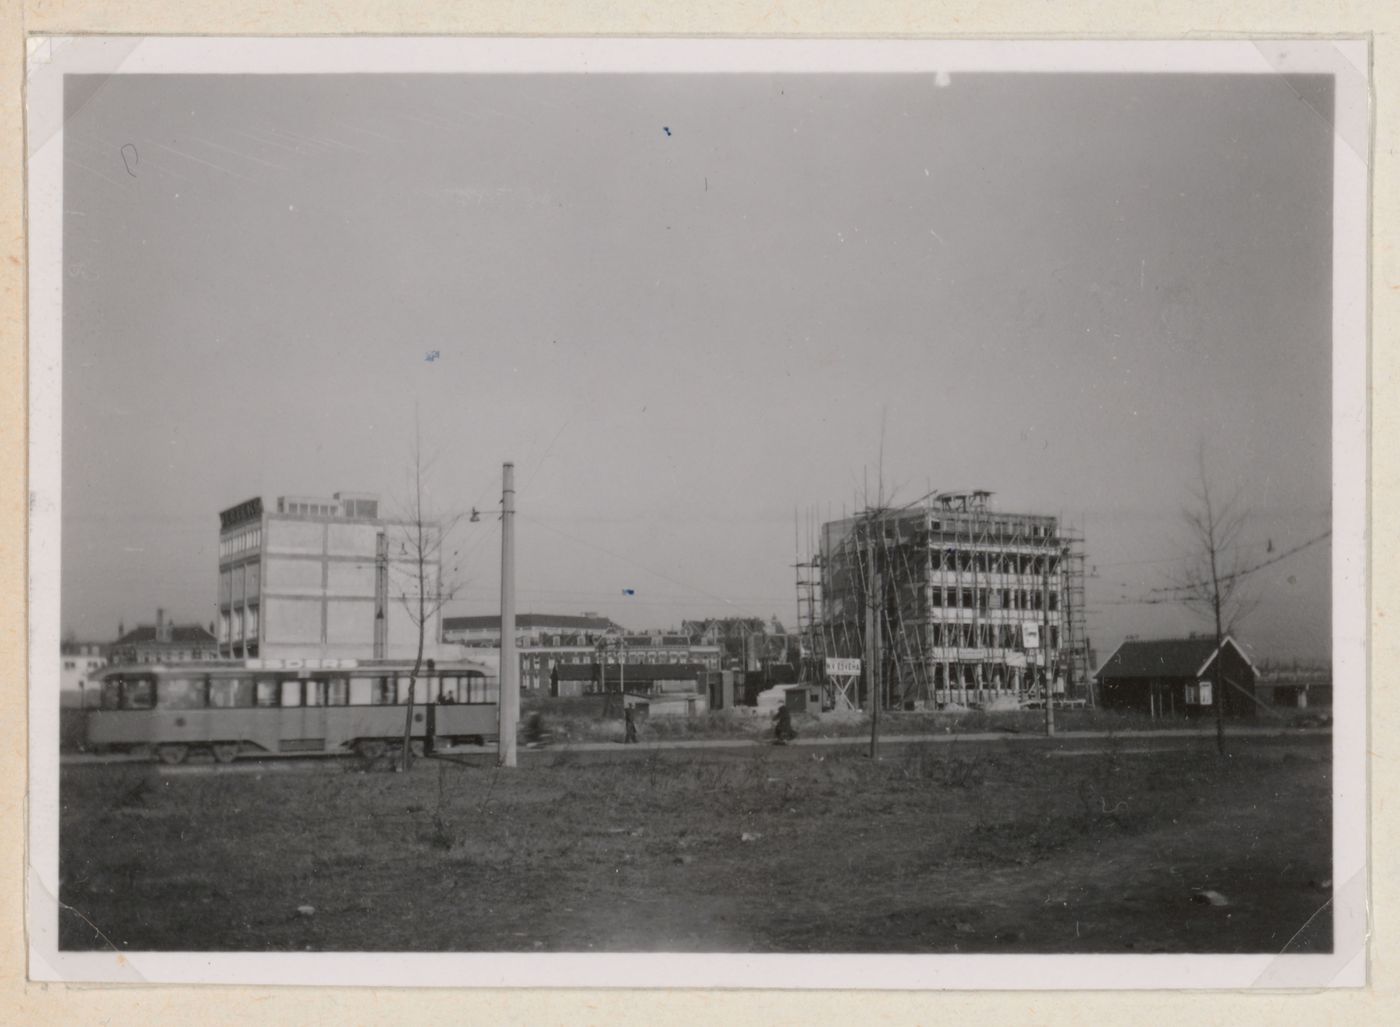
(1244,572)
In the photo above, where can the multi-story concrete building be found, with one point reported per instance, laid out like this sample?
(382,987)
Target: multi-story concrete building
(949,601)
(316,577)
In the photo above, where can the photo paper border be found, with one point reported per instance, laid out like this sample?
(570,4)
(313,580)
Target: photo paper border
(1348,59)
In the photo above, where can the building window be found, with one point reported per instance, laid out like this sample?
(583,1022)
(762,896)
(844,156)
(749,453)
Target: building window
(69,665)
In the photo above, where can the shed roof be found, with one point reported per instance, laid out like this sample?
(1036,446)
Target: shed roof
(1164,658)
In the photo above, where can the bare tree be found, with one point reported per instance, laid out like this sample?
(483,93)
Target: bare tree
(421,588)
(1212,580)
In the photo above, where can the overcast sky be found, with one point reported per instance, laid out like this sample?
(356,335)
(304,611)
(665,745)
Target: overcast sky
(685,306)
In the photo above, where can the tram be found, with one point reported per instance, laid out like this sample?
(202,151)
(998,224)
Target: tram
(229,708)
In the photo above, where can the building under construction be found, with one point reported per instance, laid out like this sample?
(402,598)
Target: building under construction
(945,601)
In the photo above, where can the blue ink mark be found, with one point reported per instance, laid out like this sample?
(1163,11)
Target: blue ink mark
(629,591)
(432,355)
(665,129)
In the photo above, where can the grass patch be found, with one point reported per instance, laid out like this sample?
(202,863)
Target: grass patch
(969,847)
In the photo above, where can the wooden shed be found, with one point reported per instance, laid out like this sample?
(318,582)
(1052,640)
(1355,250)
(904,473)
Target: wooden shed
(1178,677)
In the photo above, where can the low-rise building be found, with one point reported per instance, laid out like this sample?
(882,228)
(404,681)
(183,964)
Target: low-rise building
(545,641)
(531,629)
(1178,677)
(78,663)
(1295,685)
(164,642)
(663,689)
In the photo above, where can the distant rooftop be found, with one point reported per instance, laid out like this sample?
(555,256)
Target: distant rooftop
(525,621)
(179,634)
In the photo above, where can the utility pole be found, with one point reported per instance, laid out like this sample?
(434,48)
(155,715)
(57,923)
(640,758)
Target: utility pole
(1045,643)
(1219,696)
(509,707)
(874,666)
(381,594)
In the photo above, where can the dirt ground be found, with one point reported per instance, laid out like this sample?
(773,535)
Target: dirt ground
(968,848)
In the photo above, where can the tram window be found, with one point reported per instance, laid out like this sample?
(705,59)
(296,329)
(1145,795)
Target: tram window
(266,693)
(480,689)
(338,692)
(291,693)
(383,694)
(314,693)
(361,691)
(454,690)
(230,693)
(182,694)
(403,690)
(112,694)
(140,694)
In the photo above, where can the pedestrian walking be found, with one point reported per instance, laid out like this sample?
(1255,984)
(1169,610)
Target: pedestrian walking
(631,736)
(782,731)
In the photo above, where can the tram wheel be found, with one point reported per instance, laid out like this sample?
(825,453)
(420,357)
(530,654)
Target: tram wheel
(370,748)
(225,752)
(171,755)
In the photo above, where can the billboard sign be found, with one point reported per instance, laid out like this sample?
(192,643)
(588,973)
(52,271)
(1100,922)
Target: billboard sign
(841,666)
(1030,634)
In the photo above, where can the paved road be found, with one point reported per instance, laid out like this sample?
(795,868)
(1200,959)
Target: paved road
(1063,744)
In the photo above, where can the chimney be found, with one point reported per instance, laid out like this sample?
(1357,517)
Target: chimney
(121,628)
(163,630)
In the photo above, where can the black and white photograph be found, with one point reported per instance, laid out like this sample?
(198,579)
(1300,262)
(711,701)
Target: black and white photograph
(692,512)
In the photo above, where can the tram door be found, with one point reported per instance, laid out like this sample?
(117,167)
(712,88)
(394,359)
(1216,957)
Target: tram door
(303,715)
